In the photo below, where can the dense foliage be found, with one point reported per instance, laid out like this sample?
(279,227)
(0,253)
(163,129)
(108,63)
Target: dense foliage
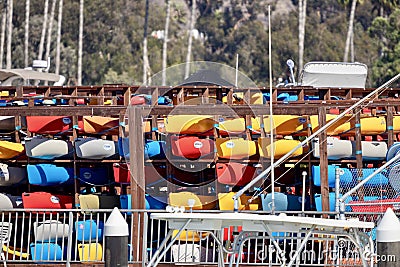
(113,36)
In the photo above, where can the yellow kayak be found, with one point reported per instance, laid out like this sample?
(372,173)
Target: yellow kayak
(237,148)
(236,126)
(10,150)
(369,125)
(189,124)
(100,125)
(396,124)
(285,124)
(281,147)
(226,202)
(340,126)
(181,200)
(90,252)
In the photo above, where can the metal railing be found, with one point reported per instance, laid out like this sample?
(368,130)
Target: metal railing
(73,236)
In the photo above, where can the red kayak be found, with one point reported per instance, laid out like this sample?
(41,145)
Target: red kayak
(192,147)
(51,124)
(234,173)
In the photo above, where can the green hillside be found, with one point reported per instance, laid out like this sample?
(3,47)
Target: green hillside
(113,36)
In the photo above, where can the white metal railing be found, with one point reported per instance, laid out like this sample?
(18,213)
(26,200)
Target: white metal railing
(73,236)
(61,236)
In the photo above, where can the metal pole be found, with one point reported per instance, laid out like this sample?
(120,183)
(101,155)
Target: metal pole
(69,242)
(271,119)
(338,173)
(303,195)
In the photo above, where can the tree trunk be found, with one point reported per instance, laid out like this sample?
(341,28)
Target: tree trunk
(26,46)
(352,47)
(164,56)
(191,28)
(58,47)
(3,33)
(41,44)
(80,49)
(50,29)
(302,26)
(9,33)
(350,30)
(146,64)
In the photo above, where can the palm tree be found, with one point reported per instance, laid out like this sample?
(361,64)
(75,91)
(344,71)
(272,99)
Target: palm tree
(49,30)
(3,33)
(26,46)
(9,32)
(146,65)
(80,45)
(384,7)
(165,42)
(350,30)
(60,11)
(302,26)
(191,28)
(41,44)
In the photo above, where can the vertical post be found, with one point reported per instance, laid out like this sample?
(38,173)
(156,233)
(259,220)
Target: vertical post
(323,160)
(136,160)
(389,125)
(309,146)
(75,130)
(359,162)
(70,240)
(136,152)
(338,172)
(388,240)
(116,234)
(303,194)
(127,96)
(17,124)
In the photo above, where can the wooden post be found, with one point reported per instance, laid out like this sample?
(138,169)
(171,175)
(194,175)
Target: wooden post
(100,99)
(358,151)
(389,125)
(274,96)
(127,96)
(180,98)
(136,151)
(17,124)
(154,96)
(323,160)
(205,96)
(229,97)
(301,95)
(76,181)
(309,148)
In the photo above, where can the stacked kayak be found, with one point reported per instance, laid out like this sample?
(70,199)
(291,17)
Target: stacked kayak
(9,150)
(48,148)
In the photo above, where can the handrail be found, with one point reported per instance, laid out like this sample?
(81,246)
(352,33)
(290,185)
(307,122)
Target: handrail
(311,137)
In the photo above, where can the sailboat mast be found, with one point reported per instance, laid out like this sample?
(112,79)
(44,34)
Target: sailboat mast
(271,120)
